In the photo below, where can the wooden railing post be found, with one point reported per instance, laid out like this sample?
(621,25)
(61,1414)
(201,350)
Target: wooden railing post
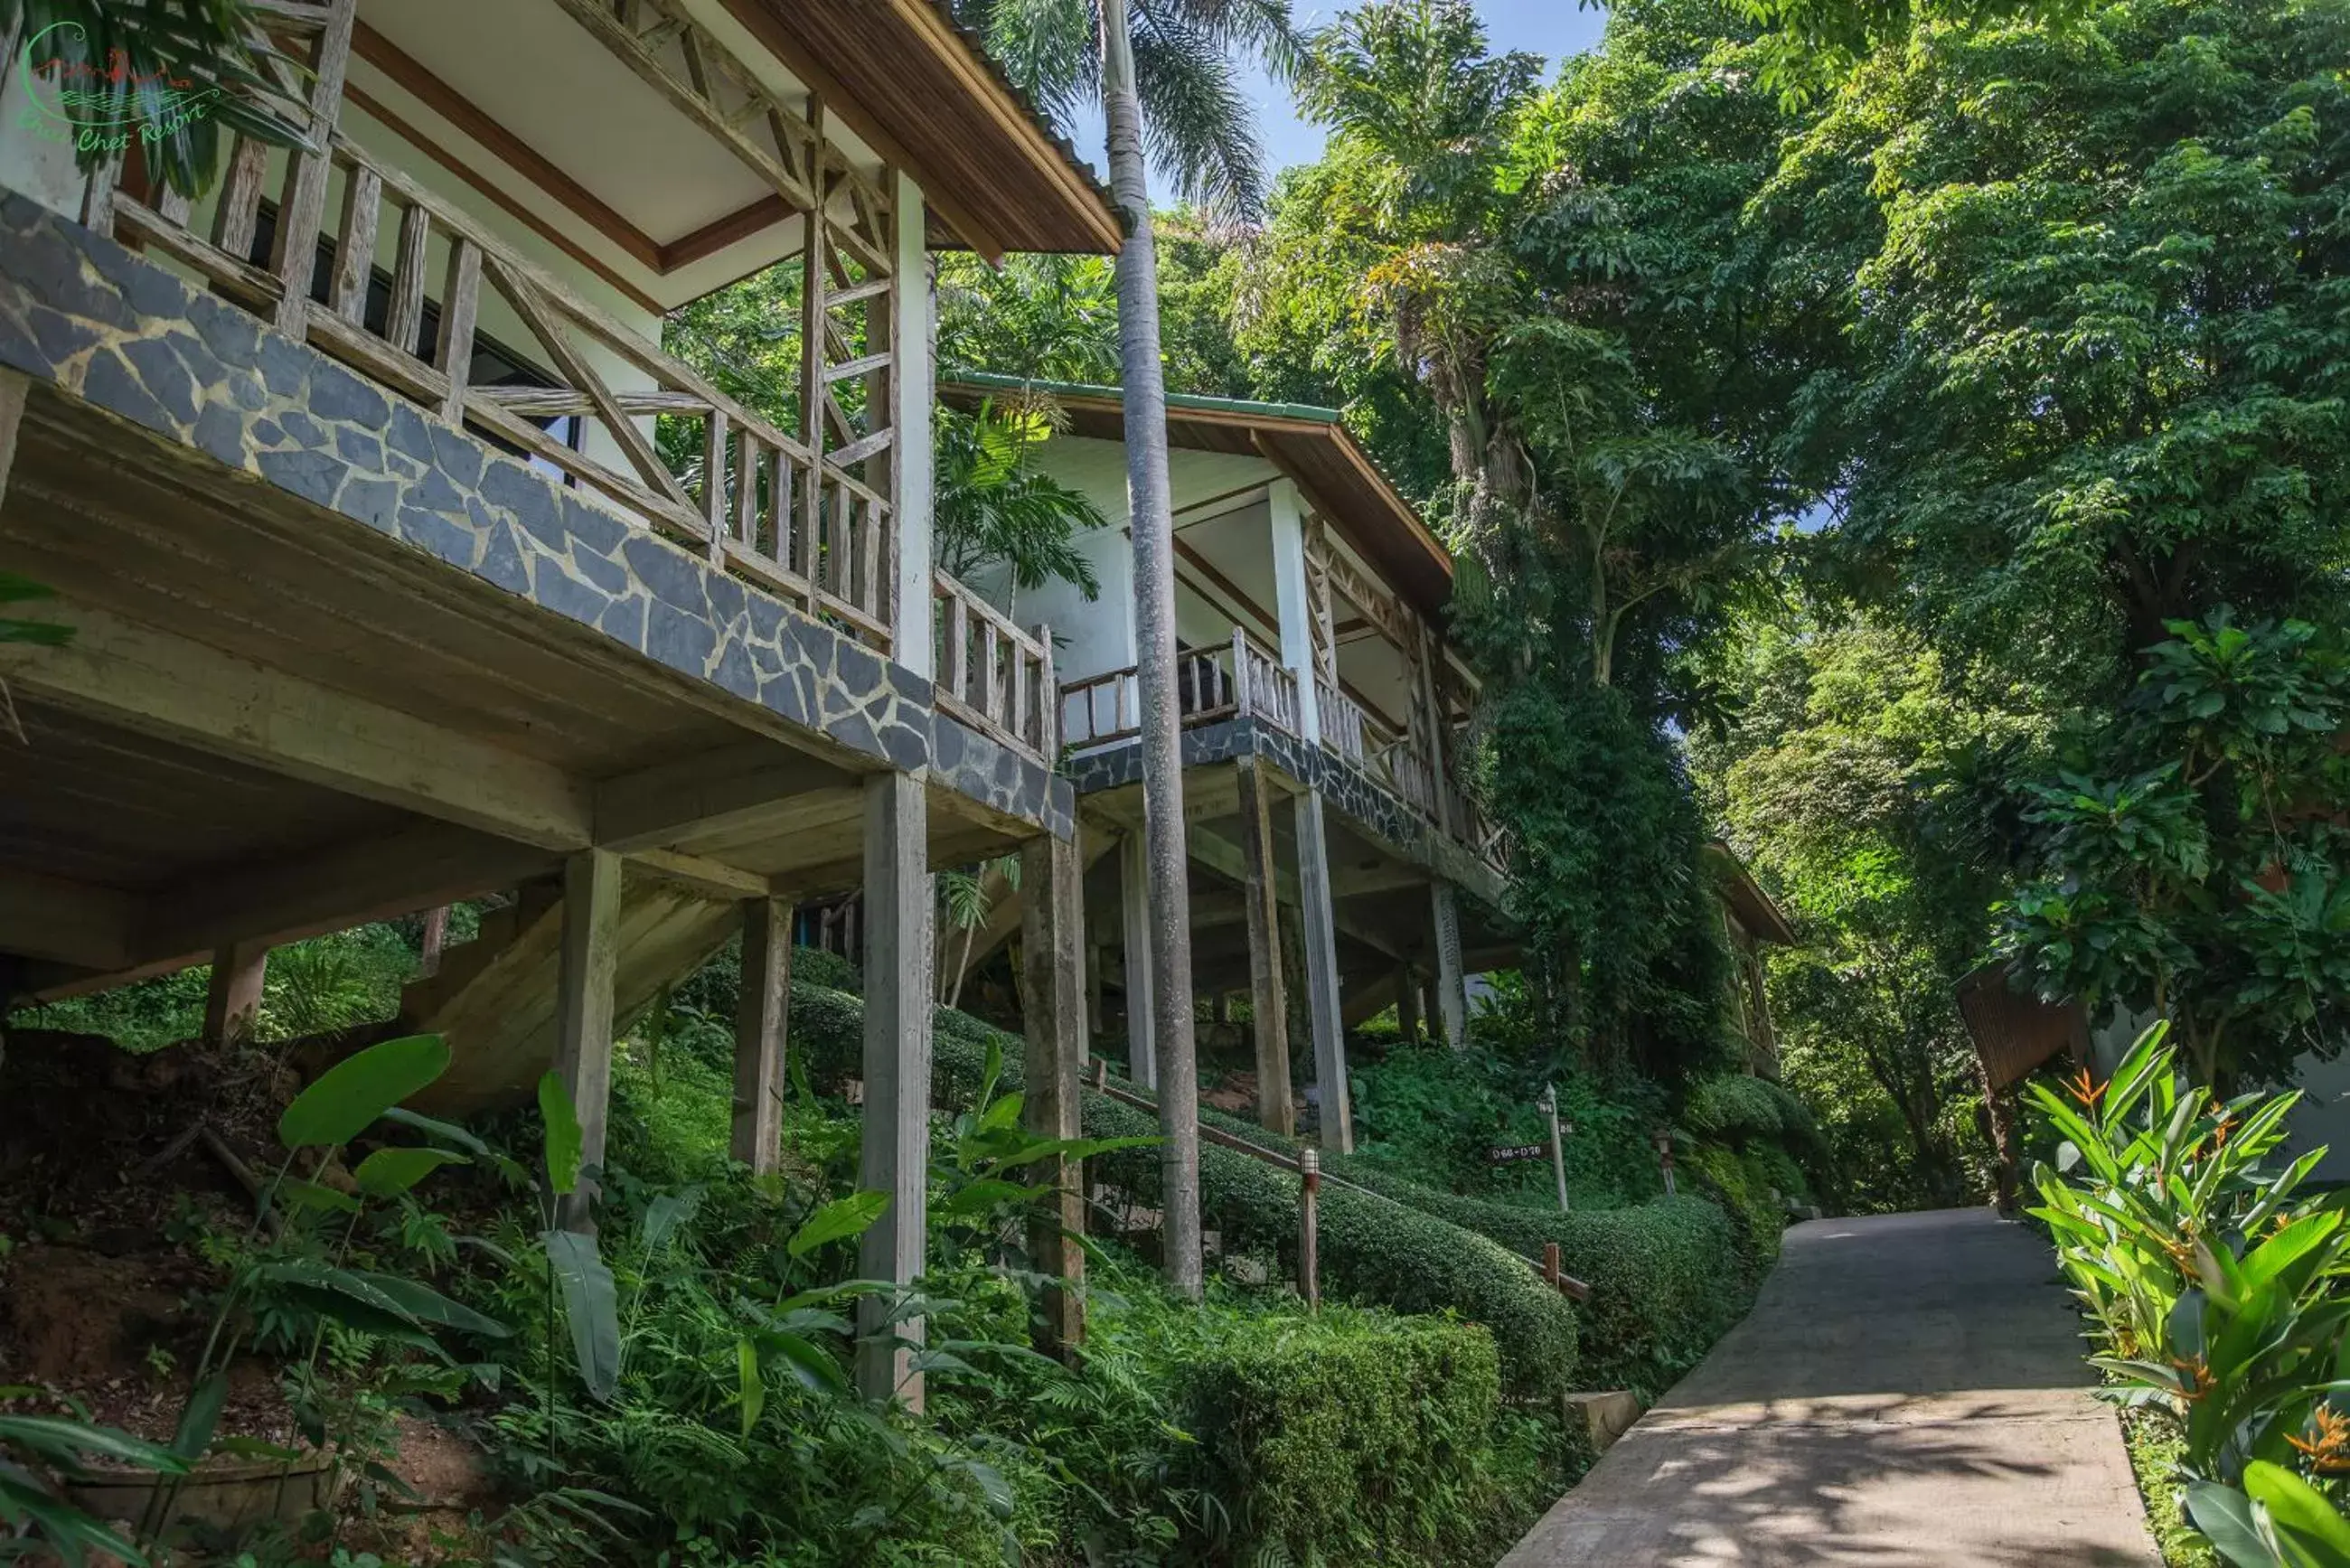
(713,484)
(1309,1201)
(461,297)
(302,200)
(1239,673)
(1048,697)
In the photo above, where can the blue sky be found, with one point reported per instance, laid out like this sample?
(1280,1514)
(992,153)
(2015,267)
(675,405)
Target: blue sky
(1551,28)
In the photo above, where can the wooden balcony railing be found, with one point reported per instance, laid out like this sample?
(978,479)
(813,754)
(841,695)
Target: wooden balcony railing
(992,674)
(759,502)
(1473,828)
(1225,682)
(1386,754)
(805,513)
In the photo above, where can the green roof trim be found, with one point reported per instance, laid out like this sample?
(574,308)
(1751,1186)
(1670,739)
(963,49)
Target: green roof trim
(992,380)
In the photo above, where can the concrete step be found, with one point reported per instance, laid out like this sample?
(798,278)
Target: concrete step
(497,1006)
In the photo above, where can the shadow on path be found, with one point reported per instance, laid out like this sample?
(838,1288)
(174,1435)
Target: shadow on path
(1908,1389)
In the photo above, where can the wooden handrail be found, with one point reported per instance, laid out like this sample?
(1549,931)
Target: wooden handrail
(1569,1285)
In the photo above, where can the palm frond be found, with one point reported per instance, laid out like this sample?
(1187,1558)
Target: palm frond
(1200,125)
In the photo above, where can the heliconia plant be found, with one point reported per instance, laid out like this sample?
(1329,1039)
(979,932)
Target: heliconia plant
(2218,1292)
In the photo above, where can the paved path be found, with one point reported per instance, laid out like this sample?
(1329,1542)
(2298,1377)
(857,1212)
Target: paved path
(1909,1390)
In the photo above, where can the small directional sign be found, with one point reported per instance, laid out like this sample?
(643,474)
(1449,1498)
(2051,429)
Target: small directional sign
(1503,1154)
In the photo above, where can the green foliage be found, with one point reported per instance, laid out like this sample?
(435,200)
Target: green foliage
(2202,872)
(1350,1437)
(1844,780)
(1667,1277)
(1040,317)
(1737,1108)
(353,1095)
(2215,1291)
(997,509)
(37,1452)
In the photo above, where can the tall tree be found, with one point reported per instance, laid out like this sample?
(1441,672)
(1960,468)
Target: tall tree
(1462,230)
(1151,509)
(2090,428)
(1179,55)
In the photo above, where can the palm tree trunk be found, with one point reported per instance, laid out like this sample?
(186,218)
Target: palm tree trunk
(1151,508)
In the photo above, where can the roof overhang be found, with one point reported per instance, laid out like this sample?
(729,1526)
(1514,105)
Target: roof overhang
(1755,910)
(921,92)
(1307,444)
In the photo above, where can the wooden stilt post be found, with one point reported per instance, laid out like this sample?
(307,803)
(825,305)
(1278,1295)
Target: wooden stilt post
(583,1013)
(235,1000)
(13,390)
(1451,987)
(1408,1005)
(1321,974)
(761,1033)
(1268,1000)
(897,937)
(1309,1226)
(1052,936)
(435,939)
(1134,893)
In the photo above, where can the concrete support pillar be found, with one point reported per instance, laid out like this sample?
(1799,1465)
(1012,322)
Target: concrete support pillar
(1451,987)
(762,1031)
(1408,1005)
(898,989)
(1321,974)
(235,1000)
(1134,898)
(1093,988)
(1052,951)
(1268,999)
(583,1011)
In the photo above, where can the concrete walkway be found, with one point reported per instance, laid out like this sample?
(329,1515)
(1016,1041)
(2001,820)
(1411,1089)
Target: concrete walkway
(1909,1390)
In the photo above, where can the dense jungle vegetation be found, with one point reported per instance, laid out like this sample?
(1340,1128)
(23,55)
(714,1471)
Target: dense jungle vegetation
(1910,445)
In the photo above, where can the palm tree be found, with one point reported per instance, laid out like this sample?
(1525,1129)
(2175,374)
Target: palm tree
(1198,125)
(1179,58)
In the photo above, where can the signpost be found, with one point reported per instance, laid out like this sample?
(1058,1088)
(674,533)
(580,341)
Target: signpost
(1509,1152)
(1557,1145)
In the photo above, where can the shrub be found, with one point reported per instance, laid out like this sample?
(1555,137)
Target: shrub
(1737,1108)
(1659,1295)
(1381,1253)
(1352,1436)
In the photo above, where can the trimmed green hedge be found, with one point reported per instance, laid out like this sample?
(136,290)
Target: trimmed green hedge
(1333,1437)
(1659,1293)
(1667,1277)
(1379,1254)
